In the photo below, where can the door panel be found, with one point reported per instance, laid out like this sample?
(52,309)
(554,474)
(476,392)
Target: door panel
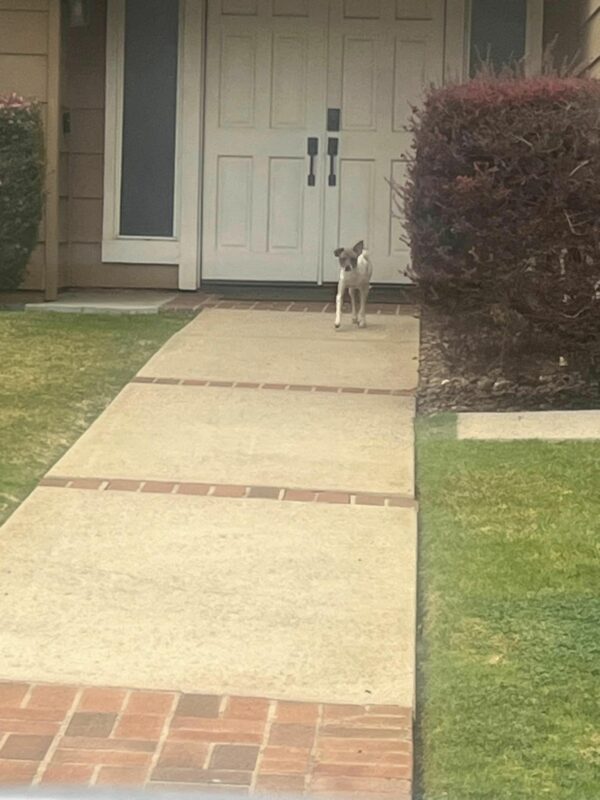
(265,95)
(286,214)
(381,56)
(356,208)
(234,179)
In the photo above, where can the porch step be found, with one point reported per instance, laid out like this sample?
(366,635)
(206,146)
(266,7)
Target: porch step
(119,301)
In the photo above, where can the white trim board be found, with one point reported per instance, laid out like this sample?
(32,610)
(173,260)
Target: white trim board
(534,43)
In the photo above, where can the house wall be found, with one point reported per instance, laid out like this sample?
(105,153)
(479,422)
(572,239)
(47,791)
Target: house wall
(29,66)
(591,36)
(63,167)
(576,26)
(86,68)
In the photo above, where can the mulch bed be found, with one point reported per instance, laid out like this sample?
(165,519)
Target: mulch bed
(537,384)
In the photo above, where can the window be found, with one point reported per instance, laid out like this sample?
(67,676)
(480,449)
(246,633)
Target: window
(149,118)
(498,30)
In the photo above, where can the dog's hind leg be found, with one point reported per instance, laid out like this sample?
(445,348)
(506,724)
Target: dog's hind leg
(352,293)
(362,315)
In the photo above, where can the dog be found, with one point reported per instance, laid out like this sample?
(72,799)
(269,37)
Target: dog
(356,270)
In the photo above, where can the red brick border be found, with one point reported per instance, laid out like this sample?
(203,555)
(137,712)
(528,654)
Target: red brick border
(240,491)
(107,736)
(281,387)
(191,302)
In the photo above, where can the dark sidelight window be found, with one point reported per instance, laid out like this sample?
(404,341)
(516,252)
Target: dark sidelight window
(149,117)
(498,29)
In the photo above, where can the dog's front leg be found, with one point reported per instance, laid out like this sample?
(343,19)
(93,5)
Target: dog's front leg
(353,301)
(362,315)
(338,304)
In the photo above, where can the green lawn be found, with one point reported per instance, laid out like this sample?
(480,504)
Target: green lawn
(509,688)
(57,372)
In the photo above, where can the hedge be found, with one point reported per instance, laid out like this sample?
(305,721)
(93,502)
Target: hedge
(21,186)
(502,210)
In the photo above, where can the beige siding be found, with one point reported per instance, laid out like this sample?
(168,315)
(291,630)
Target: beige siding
(24,5)
(24,74)
(63,170)
(24,32)
(53,149)
(124,276)
(576,24)
(24,45)
(591,36)
(85,68)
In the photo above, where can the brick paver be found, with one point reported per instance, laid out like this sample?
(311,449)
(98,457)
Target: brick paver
(105,736)
(237,491)
(280,387)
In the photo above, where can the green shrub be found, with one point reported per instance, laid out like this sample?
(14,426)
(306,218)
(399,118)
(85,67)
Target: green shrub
(21,186)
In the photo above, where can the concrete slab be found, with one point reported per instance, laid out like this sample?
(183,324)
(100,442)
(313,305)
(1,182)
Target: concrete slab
(121,301)
(293,439)
(310,327)
(299,601)
(548,425)
(340,362)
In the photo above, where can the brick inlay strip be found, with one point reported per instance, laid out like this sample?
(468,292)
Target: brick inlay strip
(279,387)
(373,309)
(100,736)
(240,491)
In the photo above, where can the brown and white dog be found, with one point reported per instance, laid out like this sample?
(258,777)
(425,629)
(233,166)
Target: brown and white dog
(356,270)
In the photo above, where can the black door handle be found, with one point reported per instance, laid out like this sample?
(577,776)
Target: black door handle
(332,151)
(312,150)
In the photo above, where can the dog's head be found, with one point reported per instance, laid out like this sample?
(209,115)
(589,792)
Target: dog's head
(349,258)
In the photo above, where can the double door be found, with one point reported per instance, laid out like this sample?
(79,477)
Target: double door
(306,103)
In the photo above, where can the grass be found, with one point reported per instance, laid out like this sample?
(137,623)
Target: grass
(57,373)
(509,688)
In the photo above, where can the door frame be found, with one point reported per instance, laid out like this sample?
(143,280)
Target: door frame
(185,248)
(182,248)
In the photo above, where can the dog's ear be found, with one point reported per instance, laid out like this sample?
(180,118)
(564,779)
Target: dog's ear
(359,247)
(337,253)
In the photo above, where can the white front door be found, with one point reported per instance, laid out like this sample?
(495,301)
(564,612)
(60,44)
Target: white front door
(274,69)
(381,55)
(265,96)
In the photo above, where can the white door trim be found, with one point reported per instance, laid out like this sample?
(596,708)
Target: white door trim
(456,40)
(534,41)
(182,247)
(190,160)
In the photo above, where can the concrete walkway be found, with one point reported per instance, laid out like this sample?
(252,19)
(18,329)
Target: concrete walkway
(239,522)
